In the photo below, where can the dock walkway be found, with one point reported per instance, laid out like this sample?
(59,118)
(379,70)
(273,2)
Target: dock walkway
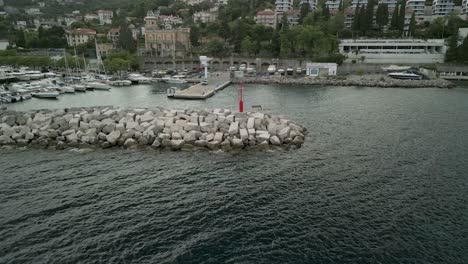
(216,82)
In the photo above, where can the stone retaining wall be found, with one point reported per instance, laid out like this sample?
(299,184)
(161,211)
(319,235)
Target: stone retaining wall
(385,83)
(160,128)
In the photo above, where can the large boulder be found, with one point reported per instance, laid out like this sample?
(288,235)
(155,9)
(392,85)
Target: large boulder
(113,137)
(274,140)
(244,135)
(237,143)
(9,120)
(130,143)
(263,137)
(233,128)
(74,123)
(176,144)
(190,126)
(218,137)
(6,140)
(131,125)
(284,133)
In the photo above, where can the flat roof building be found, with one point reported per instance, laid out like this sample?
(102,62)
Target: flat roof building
(442,7)
(407,51)
(266,17)
(417,6)
(283,6)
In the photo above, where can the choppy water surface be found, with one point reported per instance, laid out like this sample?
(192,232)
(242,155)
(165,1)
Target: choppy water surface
(382,178)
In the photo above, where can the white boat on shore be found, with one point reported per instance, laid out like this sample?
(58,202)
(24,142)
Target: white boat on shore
(396,68)
(405,75)
(271,69)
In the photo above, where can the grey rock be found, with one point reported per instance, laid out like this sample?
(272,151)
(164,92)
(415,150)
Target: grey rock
(177,144)
(113,137)
(130,142)
(274,140)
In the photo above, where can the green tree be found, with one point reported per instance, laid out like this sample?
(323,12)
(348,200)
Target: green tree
(412,25)
(394,25)
(305,10)
(382,15)
(463,51)
(357,21)
(20,39)
(248,46)
(452,51)
(370,13)
(126,41)
(401,16)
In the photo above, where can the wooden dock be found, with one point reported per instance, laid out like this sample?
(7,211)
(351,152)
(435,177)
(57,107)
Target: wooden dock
(199,91)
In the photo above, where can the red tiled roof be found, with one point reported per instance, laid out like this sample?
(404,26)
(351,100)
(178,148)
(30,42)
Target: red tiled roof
(83,31)
(265,12)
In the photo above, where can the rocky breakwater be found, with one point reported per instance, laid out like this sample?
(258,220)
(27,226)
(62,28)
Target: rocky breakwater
(159,128)
(384,82)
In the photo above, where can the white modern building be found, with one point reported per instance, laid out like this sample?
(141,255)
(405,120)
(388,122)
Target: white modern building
(417,6)
(333,4)
(464,11)
(390,3)
(407,51)
(105,16)
(318,69)
(205,17)
(4,44)
(311,3)
(79,36)
(442,7)
(292,16)
(283,6)
(354,3)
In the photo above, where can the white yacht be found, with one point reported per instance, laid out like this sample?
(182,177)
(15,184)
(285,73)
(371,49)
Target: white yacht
(98,86)
(138,78)
(407,75)
(121,83)
(46,94)
(174,79)
(79,88)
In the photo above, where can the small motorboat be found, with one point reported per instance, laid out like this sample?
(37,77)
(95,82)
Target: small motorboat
(289,70)
(137,78)
(98,86)
(121,83)
(67,89)
(174,79)
(271,69)
(406,75)
(281,71)
(79,88)
(46,94)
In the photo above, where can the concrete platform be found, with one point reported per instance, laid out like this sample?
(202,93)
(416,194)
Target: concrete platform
(216,82)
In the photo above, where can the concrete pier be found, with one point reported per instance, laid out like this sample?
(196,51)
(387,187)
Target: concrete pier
(199,91)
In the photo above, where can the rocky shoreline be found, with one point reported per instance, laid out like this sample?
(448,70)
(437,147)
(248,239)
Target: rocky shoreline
(185,129)
(362,82)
